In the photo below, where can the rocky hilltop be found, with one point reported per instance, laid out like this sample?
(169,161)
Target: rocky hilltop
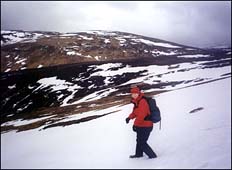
(26,50)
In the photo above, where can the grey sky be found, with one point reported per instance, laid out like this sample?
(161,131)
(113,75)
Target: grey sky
(200,24)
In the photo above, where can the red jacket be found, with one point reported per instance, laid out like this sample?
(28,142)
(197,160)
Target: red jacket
(140,111)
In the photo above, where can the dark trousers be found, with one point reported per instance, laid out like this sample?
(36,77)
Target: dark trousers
(143,134)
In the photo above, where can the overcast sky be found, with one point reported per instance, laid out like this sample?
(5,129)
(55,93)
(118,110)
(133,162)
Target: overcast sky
(199,24)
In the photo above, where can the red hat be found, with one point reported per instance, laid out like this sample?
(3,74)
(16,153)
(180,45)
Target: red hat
(135,90)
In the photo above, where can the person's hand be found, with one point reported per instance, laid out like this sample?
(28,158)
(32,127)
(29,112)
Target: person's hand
(127,120)
(134,128)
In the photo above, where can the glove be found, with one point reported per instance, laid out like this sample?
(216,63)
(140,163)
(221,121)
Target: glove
(127,120)
(134,128)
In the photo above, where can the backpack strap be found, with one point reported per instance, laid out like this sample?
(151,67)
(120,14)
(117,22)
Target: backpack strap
(148,115)
(139,101)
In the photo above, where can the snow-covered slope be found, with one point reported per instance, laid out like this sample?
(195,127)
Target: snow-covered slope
(196,133)
(64,99)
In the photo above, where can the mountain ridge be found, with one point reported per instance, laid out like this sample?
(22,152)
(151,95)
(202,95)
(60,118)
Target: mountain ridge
(24,50)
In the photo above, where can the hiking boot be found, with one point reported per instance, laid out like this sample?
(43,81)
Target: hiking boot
(153,157)
(136,156)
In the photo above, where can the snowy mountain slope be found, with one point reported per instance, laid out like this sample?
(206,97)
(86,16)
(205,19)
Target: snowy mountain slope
(96,84)
(86,87)
(188,139)
(92,70)
(21,50)
(64,99)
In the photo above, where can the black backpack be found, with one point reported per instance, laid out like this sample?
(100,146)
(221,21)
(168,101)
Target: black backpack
(154,109)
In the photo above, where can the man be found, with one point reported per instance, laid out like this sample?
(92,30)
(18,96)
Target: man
(141,127)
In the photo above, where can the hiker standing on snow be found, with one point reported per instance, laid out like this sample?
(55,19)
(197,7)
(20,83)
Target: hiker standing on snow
(142,127)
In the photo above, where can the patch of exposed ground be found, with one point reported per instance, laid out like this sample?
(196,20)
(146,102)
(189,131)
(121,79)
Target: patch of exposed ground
(196,110)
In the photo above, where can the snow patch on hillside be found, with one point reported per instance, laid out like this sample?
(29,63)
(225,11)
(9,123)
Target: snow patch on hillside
(12,37)
(194,56)
(166,45)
